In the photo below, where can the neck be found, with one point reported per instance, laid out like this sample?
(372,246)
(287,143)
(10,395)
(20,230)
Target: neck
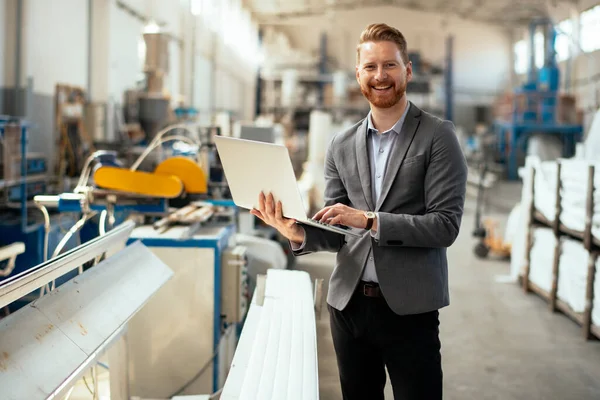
(384,118)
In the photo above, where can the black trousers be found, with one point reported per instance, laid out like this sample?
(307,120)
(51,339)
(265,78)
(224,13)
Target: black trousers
(368,337)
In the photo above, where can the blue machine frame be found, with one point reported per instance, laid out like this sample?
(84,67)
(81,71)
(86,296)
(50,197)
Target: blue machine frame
(23,228)
(534,107)
(218,243)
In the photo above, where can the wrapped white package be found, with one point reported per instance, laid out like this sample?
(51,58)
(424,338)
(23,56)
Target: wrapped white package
(596,301)
(572,274)
(592,140)
(542,257)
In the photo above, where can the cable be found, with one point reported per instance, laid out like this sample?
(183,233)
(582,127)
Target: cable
(157,141)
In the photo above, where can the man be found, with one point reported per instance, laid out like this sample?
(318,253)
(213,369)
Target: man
(400,175)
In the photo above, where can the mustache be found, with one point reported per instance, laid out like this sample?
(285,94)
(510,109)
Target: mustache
(384,83)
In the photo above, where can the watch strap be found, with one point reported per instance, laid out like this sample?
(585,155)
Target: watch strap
(369,223)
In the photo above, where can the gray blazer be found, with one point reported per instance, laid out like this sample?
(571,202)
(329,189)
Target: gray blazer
(420,211)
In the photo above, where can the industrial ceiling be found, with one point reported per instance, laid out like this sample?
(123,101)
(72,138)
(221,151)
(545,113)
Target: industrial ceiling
(507,13)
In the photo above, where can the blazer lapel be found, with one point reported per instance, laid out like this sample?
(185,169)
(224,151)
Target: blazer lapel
(403,142)
(362,161)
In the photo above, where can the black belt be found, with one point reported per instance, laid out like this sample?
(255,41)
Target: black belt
(369,289)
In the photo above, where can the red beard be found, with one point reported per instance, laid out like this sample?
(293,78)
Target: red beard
(386,99)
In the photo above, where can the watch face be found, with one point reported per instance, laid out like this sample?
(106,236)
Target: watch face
(370,214)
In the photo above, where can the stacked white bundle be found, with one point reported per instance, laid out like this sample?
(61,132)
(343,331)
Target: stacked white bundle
(276,357)
(574,181)
(542,253)
(596,302)
(544,186)
(572,274)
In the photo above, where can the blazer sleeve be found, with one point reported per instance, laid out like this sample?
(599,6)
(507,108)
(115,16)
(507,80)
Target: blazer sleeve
(444,188)
(316,239)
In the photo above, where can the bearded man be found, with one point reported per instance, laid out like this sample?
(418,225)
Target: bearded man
(400,175)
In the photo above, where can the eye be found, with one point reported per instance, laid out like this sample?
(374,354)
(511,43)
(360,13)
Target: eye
(391,65)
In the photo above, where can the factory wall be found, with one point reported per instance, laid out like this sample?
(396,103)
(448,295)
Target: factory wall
(102,51)
(481,51)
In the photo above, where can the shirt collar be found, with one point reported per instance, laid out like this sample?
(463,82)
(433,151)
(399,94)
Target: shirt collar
(397,126)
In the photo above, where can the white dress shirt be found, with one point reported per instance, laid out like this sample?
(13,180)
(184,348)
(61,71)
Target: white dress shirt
(379,147)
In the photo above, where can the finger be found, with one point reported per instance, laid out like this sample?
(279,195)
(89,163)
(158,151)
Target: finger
(337,220)
(261,202)
(270,206)
(320,213)
(329,214)
(257,214)
(279,210)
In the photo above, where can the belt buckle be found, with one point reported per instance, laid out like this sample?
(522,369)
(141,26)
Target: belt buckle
(368,286)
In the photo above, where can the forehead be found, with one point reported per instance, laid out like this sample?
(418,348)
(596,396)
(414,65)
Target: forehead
(379,51)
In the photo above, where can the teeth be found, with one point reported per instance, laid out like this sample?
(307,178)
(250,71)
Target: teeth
(381,88)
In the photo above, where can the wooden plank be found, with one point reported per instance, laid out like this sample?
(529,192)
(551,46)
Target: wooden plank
(568,311)
(529,236)
(541,219)
(553,295)
(595,330)
(589,209)
(539,291)
(589,295)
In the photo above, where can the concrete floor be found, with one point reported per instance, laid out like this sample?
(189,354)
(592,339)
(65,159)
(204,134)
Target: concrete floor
(497,342)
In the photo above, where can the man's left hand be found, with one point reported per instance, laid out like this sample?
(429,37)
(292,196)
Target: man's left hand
(341,214)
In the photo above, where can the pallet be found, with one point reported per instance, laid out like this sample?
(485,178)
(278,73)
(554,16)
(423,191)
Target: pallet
(590,243)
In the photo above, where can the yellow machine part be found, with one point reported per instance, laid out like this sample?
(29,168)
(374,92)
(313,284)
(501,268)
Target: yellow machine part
(138,182)
(190,173)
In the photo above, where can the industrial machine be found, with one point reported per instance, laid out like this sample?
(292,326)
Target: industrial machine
(24,176)
(112,332)
(535,106)
(146,109)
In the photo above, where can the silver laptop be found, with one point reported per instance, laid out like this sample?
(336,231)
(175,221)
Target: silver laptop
(251,167)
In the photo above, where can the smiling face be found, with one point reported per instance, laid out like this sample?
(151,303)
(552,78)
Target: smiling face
(381,73)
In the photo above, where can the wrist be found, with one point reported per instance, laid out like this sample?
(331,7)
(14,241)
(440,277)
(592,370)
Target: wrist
(298,235)
(375,220)
(370,217)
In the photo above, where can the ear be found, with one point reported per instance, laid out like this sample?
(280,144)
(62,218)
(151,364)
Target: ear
(409,72)
(357,75)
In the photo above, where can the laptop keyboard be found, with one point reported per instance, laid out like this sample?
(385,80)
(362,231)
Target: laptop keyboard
(325,224)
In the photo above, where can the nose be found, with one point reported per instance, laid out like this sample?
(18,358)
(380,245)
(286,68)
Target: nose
(381,73)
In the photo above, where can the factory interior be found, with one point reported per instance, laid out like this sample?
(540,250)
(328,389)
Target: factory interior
(129,272)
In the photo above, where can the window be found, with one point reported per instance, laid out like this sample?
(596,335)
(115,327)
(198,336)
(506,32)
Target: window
(196,7)
(564,30)
(520,50)
(590,29)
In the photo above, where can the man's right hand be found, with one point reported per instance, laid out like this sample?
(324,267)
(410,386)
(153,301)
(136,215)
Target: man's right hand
(272,214)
